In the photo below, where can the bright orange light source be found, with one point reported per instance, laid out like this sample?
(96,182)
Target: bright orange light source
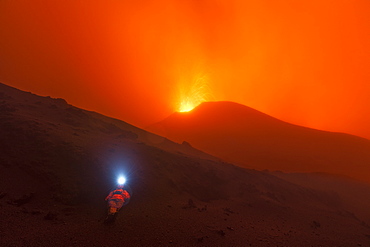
(193,93)
(187,105)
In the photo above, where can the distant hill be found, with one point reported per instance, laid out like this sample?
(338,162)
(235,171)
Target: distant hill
(252,139)
(58,163)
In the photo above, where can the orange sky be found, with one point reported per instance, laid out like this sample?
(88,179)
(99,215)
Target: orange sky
(305,62)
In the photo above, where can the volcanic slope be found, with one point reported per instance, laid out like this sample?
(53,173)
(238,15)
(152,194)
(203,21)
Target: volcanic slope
(252,139)
(58,162)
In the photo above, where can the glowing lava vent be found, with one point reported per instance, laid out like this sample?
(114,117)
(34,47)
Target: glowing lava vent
(191,95)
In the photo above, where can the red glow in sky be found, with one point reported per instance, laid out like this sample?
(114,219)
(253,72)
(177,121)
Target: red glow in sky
(305,62)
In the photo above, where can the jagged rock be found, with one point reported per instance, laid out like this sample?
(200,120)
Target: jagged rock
(51,216)
(23,199)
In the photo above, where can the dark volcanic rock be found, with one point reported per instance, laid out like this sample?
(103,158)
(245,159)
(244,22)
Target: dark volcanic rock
(70,158)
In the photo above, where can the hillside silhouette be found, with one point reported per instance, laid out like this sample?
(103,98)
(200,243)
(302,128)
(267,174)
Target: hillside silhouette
(58,162)
(252,139)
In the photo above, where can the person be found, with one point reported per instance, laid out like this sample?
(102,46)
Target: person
(117,198)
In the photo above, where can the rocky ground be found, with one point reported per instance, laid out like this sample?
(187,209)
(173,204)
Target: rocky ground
(58,162)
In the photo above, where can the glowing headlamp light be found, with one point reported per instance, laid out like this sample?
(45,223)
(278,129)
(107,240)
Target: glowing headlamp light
(121,180)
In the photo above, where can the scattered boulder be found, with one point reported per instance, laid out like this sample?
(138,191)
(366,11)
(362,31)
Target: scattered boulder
(23,199)
(203,209)
(2,194)
(51,216)
(315,224)
(221,232)
(187,144)
(190,204)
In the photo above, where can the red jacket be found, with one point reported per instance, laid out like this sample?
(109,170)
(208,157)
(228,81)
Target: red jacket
(118,194)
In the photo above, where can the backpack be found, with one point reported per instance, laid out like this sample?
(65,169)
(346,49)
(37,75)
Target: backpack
(120,192)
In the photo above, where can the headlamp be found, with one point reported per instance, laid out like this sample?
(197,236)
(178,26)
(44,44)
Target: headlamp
(121,180)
